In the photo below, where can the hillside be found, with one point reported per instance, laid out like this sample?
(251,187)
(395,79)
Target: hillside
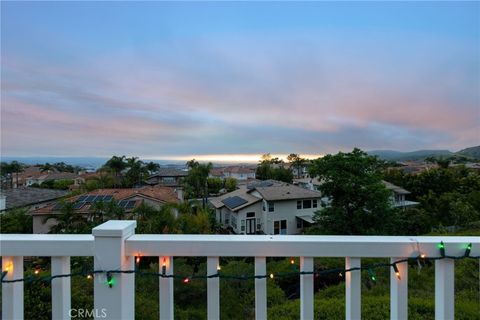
(472,152)
(404,156)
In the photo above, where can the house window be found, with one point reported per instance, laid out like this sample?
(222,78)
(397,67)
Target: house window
(271,206)
(250,214)
(299,204)
(315,203)
(234,222)
(280,227)
(307,204)
(242,225)
(259,224)
(227,218)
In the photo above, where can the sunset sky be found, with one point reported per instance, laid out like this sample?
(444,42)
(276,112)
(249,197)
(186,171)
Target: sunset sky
(166,80)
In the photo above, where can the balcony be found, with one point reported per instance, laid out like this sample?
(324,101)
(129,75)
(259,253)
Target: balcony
(114,246)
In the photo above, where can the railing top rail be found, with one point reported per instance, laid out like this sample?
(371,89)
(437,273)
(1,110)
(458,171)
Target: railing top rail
(46,244)
(307,246)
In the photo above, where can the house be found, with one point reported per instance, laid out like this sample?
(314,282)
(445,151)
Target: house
(128,198)
(55,176)
(398,196)
(308,183)
(238,172)
(269,207)
(34,198)
(167,177)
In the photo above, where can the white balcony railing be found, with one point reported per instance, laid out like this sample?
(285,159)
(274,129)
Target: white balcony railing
(114,247)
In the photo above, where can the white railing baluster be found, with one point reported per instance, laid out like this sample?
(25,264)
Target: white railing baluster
(444,289)
(12,293)
(353,287)
(118,300)
(166,288)
(399,290)
(213,289)
(306,289)
(61,291)
(260,289)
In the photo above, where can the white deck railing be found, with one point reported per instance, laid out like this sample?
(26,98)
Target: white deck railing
(114,247)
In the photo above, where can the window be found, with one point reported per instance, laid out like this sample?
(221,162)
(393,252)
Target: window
(234,222)
(242,225)
(307,204)
(227,218)
(315,203)
(250,214)
(299,204)
(259,224)
(271,206)
(280,227)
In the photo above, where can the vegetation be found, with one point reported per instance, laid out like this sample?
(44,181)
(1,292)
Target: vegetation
(272,168)
(359,202)
(9,170)
(196,181)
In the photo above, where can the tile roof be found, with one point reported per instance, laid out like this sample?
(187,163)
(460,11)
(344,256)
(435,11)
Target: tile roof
(25,196)
(156,193)
(169,172)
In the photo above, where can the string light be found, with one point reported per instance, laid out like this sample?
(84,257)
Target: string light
(397,272)
(441,246)
(137,260)
(467,250)
(292,261)
(186,279)
(372,275)
(219,268)
(110,280)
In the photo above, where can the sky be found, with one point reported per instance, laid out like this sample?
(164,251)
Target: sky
(237,79)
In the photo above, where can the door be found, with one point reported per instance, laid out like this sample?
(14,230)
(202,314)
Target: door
(251,226)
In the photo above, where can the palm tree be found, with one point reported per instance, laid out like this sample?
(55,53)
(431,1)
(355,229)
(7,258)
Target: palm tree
(116,165)
(137,171)
(152,167)
(16,167)
(67,221)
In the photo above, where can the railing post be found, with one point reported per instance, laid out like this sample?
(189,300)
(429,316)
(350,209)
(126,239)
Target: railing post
(444,289)
(117,302)
(260,289)
(399,291)
(353,289)
(213,289)
(61,292)
(166,289)
(306,289)
(12,293)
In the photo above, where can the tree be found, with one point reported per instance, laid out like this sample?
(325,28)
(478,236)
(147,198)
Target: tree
(16,221)
(360,204)
(16,168)
(116,165)
(196,179)
(136,173)
(269,168)
(68,221)
(152,167)
(297,162)
(230,184)
(214,185)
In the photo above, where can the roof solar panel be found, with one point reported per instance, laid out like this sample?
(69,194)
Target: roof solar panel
(130,204)
(82,198)
(107,198)
(90,198)
(123,203)
(58,206)
(233,202)
(78,205)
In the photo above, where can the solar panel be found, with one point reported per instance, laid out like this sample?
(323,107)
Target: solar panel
(78,205)
(107,198)
(82,198)
(123,203)
(233,202)
(90,198)
(130,204)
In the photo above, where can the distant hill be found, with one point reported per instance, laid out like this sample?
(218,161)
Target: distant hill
(472,152)
(392,155)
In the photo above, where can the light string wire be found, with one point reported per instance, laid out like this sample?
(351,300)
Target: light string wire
(187,278)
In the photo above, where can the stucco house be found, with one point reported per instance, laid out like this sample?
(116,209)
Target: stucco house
(238,172)
(267,208)
(168,177)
